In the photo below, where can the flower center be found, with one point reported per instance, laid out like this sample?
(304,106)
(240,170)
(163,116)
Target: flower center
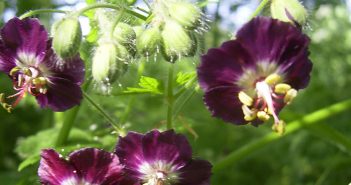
(158,173)
(270,95)
(25,79)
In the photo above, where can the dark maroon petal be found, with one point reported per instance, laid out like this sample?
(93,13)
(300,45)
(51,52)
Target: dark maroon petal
(54,170)
(298,74)
(196,172)
(166,146)
(222,66)
(7,58)
(224,103)
(61,95)
(71,68)
(97,166)
(27,36)
(271,40)
(130,152)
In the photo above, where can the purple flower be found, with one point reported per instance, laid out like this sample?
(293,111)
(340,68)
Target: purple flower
(162,158)
(87,166)
(251,78)
(27,57)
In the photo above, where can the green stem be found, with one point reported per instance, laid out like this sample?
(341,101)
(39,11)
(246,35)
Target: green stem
(131,101)
(170,97)
(35,12)
(119,18)
(70,117)
(259,8)
(111,6)
(117,126)
(291,127)
(67,125)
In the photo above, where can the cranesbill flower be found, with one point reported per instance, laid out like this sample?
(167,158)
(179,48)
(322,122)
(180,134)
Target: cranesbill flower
(161,158)
(87,166)
(27,57)
(251,78)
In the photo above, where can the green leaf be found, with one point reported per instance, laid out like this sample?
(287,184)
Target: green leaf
(147,85)
(185,78)
(30,147)
(28,162)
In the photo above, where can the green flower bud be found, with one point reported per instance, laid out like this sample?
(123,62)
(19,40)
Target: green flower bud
(67,36)
(109,62)
(186,14)
(176,41)
(289,11)
(148,41)
(125,35)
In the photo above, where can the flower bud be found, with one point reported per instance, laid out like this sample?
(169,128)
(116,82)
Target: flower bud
(108,62)
(186,14)
(176,41)
(125,35)
(67,36)
(148,41)
(289,11)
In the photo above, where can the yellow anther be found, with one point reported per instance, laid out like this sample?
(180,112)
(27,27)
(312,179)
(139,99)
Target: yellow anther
(273,79)
(282,88)
(290,95)
(2,97)
(245,99)
(27,72)
(279,127)
(14,70)
(39,81)
(262,115)
(249,115)
(7,107)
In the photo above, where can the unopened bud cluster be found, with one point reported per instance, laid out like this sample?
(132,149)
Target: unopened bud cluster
(115,49)
(171,30)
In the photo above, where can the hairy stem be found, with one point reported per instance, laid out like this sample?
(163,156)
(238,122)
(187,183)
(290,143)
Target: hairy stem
(259,8)
(111,6)
(117,126)
(170,97)
(40,11)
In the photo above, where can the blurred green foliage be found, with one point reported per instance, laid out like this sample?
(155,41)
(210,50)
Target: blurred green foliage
(302,158)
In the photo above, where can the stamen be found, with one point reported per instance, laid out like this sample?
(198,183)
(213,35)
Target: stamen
(14,70)
(249,115)
(6,106)
(273,79)
(262,115)
(282,88)
(27,72)
(245,99)
(290,95)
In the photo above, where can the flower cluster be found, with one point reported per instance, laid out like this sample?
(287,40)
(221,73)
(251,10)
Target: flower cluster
(171,30)
(27,57)
(156,158)
(251,78)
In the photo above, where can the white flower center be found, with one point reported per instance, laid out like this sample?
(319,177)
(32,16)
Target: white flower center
(159,173)
(75,181)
